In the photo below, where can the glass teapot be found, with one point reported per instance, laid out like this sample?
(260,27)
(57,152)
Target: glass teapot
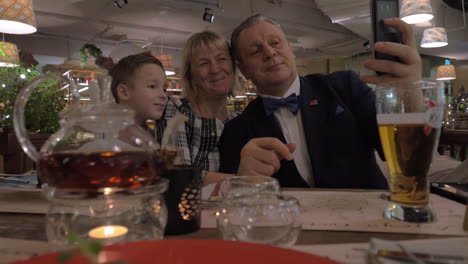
(97,146)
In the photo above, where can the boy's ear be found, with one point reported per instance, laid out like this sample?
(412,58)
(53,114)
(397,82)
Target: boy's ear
(123,92)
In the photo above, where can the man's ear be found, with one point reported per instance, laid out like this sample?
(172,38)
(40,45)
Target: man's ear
(123,92)
(243,70)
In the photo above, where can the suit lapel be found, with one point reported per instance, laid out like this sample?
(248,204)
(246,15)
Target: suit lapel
(266,126)
(313,110)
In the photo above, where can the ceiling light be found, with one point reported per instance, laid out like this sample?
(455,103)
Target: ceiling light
(9,55)
(120,3)
(446,72)
(207,16)
(416,11)
(434,38)
(17,17)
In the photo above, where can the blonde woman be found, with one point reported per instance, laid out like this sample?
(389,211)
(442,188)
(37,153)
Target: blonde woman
(208,77)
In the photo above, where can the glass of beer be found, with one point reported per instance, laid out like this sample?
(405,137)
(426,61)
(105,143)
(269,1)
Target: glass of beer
(409,115)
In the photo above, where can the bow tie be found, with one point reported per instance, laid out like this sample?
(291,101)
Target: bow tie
(271,104)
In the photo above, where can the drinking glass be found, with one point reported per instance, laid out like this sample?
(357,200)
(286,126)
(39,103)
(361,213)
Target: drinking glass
(409,115)
(239,185)
(266,218)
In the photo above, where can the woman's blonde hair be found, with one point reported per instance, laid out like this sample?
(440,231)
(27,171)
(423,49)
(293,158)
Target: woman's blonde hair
(201,40)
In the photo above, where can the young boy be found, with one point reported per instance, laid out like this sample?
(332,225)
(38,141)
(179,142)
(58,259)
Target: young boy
(139,81)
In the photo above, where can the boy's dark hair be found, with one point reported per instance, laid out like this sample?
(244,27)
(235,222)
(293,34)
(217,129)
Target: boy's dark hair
(123,71)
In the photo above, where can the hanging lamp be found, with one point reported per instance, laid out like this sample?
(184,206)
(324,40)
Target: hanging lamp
(9,55)
(17,17)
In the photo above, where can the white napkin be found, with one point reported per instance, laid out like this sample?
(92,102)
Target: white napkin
(207,191)
(459,174)
(443,169)
(452,246)
(347,253)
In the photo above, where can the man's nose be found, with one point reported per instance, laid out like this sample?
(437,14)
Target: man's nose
(269,51)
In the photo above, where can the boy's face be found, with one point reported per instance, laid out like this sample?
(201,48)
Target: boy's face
(145,93)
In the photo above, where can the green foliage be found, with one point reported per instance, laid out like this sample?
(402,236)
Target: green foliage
(89,50)
(90,250)
(44,104)
(65,257)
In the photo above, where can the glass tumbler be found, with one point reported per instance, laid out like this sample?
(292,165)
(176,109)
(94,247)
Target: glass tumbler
(239,185)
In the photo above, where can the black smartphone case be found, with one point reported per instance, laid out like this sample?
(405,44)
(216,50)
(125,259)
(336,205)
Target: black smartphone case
(382,9)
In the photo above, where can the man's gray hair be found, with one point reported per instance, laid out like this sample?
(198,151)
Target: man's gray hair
(251,21)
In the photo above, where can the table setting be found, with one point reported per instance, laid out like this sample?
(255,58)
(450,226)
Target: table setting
(321,211)
(117,197)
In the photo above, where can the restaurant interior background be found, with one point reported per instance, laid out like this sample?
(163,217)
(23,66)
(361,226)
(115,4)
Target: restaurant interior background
(326,36)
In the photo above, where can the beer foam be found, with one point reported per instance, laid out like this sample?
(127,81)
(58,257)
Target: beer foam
(394,119)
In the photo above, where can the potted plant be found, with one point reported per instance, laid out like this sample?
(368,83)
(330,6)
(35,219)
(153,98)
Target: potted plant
(87,51)
(41,113)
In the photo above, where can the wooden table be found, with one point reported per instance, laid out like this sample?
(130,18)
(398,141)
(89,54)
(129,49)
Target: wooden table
(32,227)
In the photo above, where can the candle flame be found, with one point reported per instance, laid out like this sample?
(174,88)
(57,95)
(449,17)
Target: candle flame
(109,230)
(107,191)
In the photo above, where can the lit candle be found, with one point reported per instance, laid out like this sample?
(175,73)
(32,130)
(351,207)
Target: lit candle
(109,231)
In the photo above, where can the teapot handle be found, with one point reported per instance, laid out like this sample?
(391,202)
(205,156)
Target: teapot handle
(20,104)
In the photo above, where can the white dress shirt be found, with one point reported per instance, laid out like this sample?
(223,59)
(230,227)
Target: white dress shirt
(293,131)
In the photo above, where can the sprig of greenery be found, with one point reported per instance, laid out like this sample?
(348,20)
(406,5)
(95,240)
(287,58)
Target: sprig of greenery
(90,250)
(89,50)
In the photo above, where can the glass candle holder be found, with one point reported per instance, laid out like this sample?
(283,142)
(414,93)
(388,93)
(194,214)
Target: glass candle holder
(266,218)
(183,200)
(107,215)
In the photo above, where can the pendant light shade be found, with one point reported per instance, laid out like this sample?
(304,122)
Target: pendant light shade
(446,72)
(9,55)
(434,38)
(416,11)
(17,17)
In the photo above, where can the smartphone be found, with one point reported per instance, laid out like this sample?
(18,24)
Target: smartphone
(382,9)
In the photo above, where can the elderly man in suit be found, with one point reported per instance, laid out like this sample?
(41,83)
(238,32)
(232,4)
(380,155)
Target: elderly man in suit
(312,131)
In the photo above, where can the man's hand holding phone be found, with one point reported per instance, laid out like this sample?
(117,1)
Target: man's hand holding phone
(396,55)
(410,67)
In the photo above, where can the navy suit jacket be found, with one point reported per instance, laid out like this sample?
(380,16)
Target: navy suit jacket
(341,133)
